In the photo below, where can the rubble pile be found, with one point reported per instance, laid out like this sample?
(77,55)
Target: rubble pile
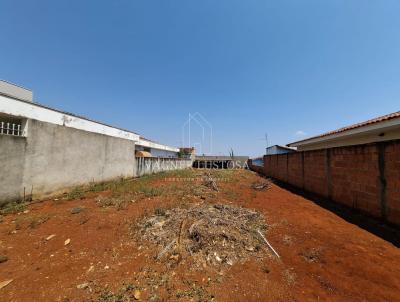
(212,234)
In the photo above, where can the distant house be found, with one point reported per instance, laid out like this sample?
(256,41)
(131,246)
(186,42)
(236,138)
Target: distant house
(259,161)
(383,128)
(356,166)
(154,149)
(187,152)
(46,150)
(278,149)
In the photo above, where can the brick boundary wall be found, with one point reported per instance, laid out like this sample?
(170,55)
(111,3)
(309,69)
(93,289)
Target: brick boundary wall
(364,177)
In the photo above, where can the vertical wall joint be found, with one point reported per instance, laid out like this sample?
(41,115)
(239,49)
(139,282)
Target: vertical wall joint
(328,173)
(287,167)
(382,180)
(302,169)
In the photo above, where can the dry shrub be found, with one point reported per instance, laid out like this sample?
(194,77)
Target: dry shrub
(118,202)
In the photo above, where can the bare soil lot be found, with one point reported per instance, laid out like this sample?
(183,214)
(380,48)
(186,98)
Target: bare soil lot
(119,242)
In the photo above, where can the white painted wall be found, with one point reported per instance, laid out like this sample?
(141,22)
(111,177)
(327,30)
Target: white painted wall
(153,145)
(16,91)
(360,139)
(164,153)
(37,112)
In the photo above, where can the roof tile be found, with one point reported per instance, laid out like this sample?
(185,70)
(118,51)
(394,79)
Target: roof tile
(354,126)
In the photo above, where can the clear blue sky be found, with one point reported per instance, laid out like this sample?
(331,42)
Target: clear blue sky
(289,68)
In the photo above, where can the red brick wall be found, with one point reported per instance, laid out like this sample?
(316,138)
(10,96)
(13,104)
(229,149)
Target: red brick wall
(282,167)
(392,176)
(315,172)
(295,171)
(273,165)
(355,178)
(365,177)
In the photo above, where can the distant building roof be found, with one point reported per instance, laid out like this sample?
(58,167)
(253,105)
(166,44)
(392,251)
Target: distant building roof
(221,157)
(35,103)
(155,145)
(281,147)
(278,149)
(16,95)
(375,128)
(17,91)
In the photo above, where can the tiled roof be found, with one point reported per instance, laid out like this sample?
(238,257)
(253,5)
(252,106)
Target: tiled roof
(354,126)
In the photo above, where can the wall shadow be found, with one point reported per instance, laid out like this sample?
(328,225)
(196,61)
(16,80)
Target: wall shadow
(386,231)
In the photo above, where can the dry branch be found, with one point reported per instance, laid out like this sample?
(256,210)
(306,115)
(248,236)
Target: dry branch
(269,245)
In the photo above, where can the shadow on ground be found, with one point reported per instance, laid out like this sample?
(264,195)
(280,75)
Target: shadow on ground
(373,225)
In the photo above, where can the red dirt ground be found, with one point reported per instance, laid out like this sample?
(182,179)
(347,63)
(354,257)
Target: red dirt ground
(323,257)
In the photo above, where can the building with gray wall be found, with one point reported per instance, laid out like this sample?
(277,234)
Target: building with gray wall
(156,149)
(44,150)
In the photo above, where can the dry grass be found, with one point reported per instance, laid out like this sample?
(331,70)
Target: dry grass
(312,254)
(31,221)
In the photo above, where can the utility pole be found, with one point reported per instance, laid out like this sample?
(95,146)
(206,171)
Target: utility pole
(266,139)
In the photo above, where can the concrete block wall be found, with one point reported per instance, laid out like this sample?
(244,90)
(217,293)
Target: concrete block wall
(364,177)
(12,162)
(355,178)
(54,157)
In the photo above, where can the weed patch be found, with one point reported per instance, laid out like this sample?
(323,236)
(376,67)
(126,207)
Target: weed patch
(31,222)
(76,193)
(312,255)
(194,292)
(232,195)
(151,191)
(13,208)
(290,276)
(124,294)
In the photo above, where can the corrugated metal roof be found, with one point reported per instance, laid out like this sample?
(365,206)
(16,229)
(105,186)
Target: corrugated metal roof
(376,120)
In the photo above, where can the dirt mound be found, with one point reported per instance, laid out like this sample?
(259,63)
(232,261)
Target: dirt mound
(216,235)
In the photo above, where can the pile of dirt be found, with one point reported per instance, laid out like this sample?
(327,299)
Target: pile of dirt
(214,235)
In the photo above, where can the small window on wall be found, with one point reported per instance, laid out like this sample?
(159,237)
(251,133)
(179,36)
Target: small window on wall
(11,125)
